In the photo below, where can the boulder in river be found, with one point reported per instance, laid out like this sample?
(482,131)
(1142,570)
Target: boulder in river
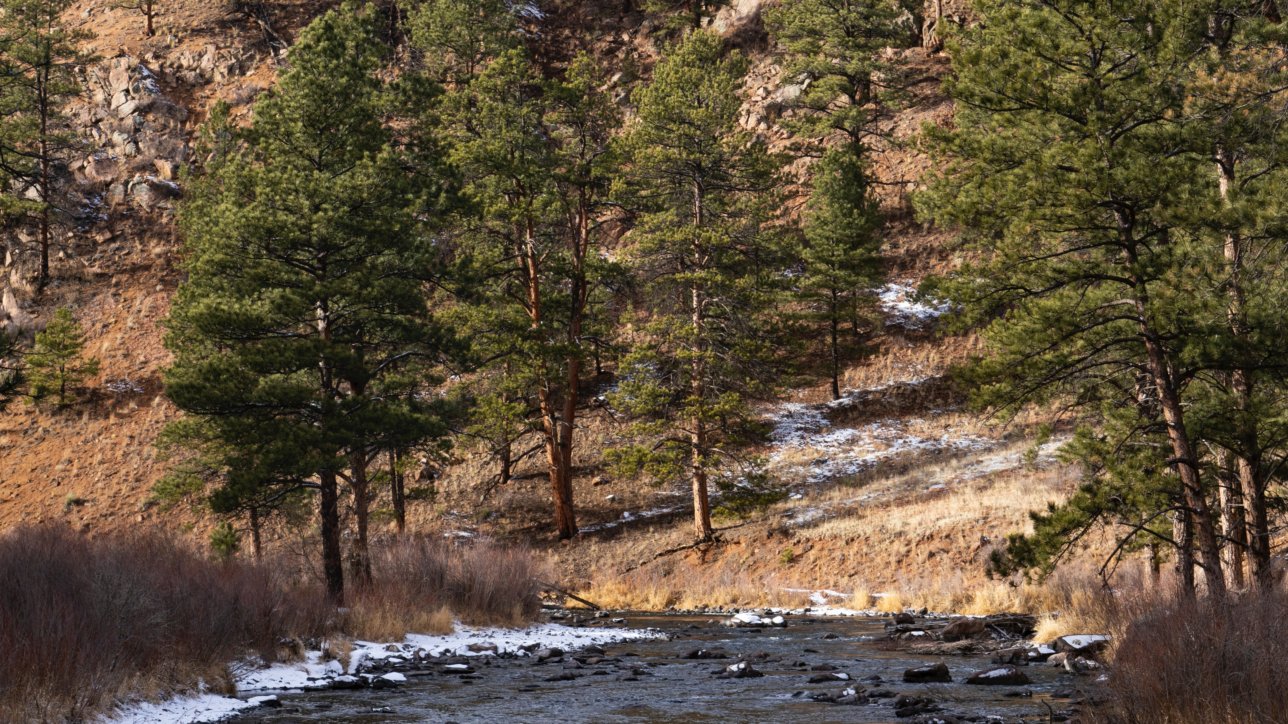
(746,619)
(1081,644)
(716,653)
(963,628)
(547,654)
(928,674)
(740,670)
(1001,676)
(906,705)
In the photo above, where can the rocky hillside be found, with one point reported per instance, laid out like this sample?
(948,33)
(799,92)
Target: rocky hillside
(894,474)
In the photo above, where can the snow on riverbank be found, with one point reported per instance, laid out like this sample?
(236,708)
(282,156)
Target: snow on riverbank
(315,672)
(190,709)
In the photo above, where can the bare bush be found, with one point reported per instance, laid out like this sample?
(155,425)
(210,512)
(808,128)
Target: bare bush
(83,622)
(1186,662)
(418,580)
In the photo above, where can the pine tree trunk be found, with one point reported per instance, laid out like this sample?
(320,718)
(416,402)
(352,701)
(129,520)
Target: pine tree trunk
(332,561)
(397,494)
(697,383)
(835,323)
(1182,534)
(1248,458)
(45,174)
(1184,457)
(560,476)
(1232,524)
(361,574)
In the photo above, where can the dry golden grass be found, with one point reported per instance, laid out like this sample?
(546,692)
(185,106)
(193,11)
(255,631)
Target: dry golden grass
(379,618)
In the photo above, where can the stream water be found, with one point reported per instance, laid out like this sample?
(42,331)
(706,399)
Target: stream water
(652,681)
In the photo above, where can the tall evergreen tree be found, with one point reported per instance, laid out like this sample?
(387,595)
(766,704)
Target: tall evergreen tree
(842,252)
(1234,111)
(531,153)
(39,60)
(305,300)
(703,191)
(1064,169)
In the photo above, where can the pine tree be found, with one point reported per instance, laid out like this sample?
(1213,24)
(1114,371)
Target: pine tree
(1233,108)
(457,38)
(842,253)
(532,156)
(703,192)
(1064,169)
(10,368)
(305,304)
(835,55)
(40,62)
(55,364)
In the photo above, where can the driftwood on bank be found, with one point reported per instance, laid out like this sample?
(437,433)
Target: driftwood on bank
(573,596)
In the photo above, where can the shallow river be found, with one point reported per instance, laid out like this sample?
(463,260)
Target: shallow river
(651,681)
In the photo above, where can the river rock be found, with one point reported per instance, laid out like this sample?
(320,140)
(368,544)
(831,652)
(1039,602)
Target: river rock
(1081,644)
(716,653)
(963,628)
(904,619)
(345,682)
(1001,676)
(547,654)
(849,695)
(832,676)
(906,705)
(740,670)
(930,673)
(1040,653)
(481,648)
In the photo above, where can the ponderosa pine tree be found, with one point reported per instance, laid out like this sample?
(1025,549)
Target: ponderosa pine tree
(836,55)
(835,52)
(305,300)
(1234,111)
(841,256)
(56,365)
(1064,170)
(531,153)
(39,60)
(457,38)
(703,191)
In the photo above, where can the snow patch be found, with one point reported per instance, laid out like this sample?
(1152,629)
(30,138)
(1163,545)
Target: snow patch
(188,709)
(899,301)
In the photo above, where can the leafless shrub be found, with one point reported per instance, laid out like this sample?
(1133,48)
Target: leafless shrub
(418,580)
(1185,662)
(83,622)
